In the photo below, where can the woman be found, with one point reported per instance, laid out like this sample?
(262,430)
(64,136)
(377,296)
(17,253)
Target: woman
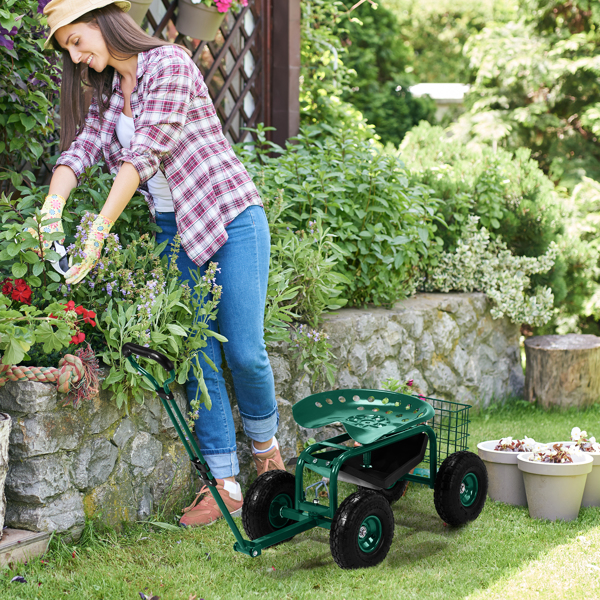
(153,122)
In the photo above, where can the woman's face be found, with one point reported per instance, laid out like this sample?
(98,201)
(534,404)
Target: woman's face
(85,44)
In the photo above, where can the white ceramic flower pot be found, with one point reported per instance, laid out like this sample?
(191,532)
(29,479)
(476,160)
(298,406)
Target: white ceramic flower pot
(591,493)
(505,479)
(554,491)
(138,9)
(5,424)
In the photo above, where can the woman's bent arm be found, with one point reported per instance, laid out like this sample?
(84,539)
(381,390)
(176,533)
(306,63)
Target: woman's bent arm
(124,186)
(63,181)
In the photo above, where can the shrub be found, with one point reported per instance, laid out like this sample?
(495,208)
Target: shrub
(484,265)
(384,227)
(29,83)
(377,54)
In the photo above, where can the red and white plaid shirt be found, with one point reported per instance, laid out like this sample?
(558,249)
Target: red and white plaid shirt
(176,130)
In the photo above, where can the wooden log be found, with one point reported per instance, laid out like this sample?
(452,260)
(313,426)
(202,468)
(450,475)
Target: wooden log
(5,423)
(563,370)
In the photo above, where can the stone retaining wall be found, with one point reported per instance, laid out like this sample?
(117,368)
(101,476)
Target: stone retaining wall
(67,463)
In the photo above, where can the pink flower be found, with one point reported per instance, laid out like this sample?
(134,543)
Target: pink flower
(223,5)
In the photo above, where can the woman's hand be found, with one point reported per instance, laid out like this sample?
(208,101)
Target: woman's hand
(92,248)
(51,209)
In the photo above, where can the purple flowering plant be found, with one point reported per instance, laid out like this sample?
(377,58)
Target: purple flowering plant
(313,351)
(138,297)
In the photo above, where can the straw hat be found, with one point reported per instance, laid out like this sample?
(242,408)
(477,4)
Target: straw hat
(62,12)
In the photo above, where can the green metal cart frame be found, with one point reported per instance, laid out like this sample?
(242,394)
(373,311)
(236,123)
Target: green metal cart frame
(391,432)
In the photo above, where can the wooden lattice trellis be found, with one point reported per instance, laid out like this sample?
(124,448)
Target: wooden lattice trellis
(235,66)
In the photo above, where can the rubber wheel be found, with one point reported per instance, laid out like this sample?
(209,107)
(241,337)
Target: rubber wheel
(262,503)
(362,530)
(393,493)
(460,488)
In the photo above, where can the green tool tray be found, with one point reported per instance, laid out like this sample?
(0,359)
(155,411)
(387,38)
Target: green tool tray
(367,415)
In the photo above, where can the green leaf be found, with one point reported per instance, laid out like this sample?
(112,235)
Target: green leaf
(176,330)
(28,122)
(19,270)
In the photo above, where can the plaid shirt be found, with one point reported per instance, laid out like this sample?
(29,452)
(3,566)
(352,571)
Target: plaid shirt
(177,131)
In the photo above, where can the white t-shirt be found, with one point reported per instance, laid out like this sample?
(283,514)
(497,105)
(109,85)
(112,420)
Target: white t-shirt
(158,185)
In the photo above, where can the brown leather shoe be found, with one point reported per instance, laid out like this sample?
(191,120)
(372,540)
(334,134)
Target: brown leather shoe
(207,511)
(268,461)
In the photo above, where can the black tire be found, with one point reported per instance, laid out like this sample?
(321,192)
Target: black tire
(270,491)
(461,488)
(362,530)
(392,494)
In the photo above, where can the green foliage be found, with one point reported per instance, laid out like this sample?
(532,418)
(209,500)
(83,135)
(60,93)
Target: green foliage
(508,192)
(29,83)
(536,85)
(376,52)
(23,325)
(384,226)
(436,31)
(313,351)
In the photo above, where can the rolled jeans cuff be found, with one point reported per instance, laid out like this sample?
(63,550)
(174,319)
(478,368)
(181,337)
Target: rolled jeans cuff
(261,430)
(223,465)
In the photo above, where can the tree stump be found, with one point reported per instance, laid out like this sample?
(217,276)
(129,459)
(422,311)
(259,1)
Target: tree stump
(562,370)
(5,423)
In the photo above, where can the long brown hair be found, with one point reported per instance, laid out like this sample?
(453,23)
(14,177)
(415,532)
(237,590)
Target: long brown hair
(123,39)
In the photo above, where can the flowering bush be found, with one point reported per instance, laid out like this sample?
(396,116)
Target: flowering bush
(481,264)
(509,445)
(313,350)
(582,442)
(223,5)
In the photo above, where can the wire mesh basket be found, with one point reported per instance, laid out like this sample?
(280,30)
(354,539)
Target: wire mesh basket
(451,426)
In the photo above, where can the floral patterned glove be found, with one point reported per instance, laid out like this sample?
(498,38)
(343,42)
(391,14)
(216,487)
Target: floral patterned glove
(96,235)
(51,209)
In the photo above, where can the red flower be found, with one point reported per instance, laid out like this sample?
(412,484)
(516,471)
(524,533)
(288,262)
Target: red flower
(80,310)
(7,286)
(77,338)
(70,306)
(21,292)
(88,317)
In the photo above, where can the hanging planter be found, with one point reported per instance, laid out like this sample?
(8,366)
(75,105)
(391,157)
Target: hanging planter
(138,10)
(555,490)
(505,479)
(198,21)
(5,424)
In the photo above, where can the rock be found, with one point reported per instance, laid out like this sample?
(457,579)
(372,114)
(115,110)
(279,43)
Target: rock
(23,397)
(445,333)
(145,452)
(94,463)
(124,433)
(36,480)
(62,514)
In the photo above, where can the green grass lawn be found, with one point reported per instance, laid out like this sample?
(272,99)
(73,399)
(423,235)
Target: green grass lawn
(503,554)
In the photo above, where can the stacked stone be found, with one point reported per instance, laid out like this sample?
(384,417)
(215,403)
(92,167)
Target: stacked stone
(66,463)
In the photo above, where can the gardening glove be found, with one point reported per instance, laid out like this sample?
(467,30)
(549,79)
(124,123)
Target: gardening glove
(93,246)
(51,209)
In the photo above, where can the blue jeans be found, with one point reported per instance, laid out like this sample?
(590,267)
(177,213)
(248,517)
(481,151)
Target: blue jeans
(244,264)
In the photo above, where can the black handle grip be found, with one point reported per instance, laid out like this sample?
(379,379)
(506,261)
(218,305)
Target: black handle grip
(129,348)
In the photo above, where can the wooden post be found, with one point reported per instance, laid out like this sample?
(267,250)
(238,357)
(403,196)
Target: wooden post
(563,370)
(5,423)
(285,74)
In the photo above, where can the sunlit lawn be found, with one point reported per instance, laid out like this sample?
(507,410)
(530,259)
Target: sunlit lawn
(504,554)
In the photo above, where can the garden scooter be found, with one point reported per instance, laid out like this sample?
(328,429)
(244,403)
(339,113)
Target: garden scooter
(391,434)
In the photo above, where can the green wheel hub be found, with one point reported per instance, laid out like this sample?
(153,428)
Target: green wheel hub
(370,533)
(468,489)
(279,502)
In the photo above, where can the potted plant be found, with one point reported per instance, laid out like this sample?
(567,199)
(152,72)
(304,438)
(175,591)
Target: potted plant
(138,9)
(201,19)
(500,459)
(5,423)
(579,439)
(554,477)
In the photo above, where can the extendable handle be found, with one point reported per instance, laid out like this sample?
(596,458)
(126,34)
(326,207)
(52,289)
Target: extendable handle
(130,348)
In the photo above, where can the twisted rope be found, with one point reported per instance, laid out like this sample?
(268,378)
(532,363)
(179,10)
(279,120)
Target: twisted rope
(77,374)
